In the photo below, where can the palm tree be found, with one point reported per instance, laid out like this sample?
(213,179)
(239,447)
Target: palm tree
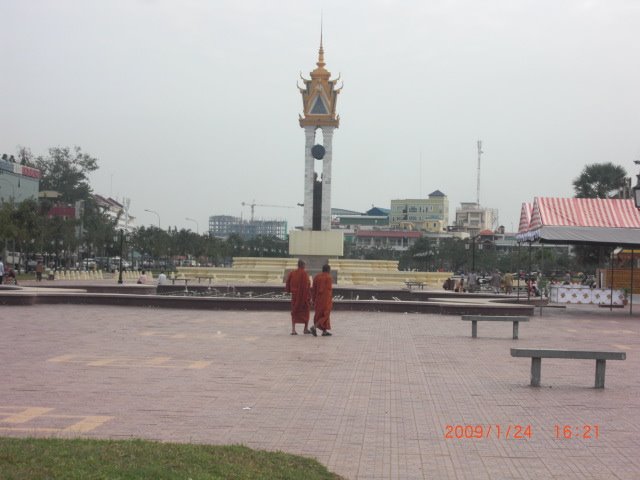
(599,180)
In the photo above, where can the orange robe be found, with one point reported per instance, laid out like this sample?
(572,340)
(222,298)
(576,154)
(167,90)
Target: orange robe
(299,285)
(322,292)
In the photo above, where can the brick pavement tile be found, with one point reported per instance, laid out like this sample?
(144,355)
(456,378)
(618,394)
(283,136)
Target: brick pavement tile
(373,401)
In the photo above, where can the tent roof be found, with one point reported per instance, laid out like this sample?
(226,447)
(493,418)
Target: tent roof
(582,221)
(584,212)
(525,217)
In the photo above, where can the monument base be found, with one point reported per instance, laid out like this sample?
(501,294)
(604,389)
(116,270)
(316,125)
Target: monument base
(316,247)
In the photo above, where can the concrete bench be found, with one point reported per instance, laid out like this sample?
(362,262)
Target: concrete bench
(420,285)
(474,319)
(537,354)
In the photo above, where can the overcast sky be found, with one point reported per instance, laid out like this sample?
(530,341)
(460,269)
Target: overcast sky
(191,106)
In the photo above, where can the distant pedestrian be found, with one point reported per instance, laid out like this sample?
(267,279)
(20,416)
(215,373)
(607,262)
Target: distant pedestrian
(448,284)
(472,282)
(508,283)
(162,278)
(142,279)
(11,278)
(1,270)
(39,270)
(496,279)
(299,286)
(322,296)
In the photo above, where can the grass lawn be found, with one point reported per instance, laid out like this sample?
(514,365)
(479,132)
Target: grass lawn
(50,458)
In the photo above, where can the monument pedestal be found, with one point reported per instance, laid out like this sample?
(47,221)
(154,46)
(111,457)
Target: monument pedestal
(316,247)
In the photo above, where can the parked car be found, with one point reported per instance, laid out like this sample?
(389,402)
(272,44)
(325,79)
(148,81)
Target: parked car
(114,264)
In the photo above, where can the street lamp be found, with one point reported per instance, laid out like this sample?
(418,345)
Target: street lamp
(196,222)
(473,252)
(155,213)
(120,266)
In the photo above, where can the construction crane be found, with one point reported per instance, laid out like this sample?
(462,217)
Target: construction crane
(254,204)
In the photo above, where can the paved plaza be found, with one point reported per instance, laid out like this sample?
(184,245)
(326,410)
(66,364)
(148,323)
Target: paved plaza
(375,401)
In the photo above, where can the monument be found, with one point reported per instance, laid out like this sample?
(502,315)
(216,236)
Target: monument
(316,242)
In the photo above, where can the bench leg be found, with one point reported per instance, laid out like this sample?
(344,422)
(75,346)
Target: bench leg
(474,329)
(536,367)
(515,330)
(600,367)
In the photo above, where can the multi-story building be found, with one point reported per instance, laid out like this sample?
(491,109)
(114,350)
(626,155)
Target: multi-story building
(17,182)
(429,214)
(116,211)
(400,240)
(224,225)
(473,218)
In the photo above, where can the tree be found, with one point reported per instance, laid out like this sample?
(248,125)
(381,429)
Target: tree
(99,229)
(599,180)
(25,156)
(66,172)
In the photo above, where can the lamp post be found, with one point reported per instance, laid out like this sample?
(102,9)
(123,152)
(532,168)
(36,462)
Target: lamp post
(120,266)
(473,254)
(473,251)
(196,222)
(155,213)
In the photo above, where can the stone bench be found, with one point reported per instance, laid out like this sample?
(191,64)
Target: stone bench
(474,319)
(410,284)
(537,354)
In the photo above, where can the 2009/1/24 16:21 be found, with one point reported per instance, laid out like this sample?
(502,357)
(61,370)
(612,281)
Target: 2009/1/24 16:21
(584,432)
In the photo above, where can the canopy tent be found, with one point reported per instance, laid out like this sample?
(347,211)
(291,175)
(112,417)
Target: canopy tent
(525,219)
(583,221)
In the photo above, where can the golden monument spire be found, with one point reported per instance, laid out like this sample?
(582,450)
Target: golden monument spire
(321,63)
(320,94)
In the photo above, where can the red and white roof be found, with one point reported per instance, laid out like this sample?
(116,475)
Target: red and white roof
(584,212)
(525,217)
(582,220)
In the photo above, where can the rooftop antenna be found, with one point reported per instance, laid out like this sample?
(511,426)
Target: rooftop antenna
(480,152)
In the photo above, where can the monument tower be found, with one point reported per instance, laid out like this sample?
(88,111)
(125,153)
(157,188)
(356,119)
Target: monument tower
(319,120)
(319,99)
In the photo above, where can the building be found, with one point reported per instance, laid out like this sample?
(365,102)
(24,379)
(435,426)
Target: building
(428,214)
(473,218)
(373,218)
(399,240)
(17,182)
(116,212)
(223,226)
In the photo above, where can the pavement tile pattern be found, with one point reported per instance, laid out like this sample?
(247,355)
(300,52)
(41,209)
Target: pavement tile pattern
(372,402)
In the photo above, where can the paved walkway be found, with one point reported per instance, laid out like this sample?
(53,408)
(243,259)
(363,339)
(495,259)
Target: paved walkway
(372,402)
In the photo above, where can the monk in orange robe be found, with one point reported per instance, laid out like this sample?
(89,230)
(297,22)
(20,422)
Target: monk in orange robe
(322,295)
(299,286)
